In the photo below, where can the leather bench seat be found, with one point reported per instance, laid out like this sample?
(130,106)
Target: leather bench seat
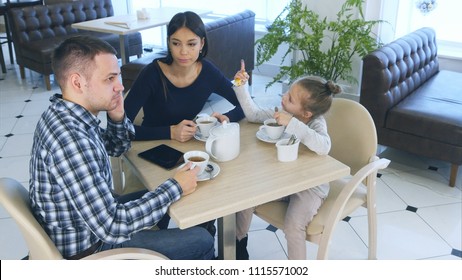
(416,106)
(41,50)
(131,70)
(430,111)
(38,30)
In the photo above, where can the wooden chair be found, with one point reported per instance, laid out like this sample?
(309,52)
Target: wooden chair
(15,199)
(354,142)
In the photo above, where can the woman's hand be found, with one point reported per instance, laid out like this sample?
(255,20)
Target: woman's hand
(221,118)
(241,76)
(183,131)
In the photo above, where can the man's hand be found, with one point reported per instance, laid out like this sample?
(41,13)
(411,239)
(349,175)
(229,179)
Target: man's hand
(118,113)
(187,178)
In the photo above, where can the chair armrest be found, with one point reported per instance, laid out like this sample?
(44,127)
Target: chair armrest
(352,185)
(127,254)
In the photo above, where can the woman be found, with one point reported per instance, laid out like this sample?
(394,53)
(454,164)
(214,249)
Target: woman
(173,90)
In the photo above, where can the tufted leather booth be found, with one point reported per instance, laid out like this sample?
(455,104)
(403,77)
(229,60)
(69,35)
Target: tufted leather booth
(230,39)
(38,30)
(415,106)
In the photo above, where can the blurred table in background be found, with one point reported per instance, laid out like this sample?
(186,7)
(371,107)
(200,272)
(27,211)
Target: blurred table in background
(126,24)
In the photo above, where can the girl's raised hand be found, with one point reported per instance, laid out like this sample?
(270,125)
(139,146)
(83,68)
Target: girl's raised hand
(241,76)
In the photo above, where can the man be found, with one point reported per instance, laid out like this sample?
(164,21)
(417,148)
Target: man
(71,180)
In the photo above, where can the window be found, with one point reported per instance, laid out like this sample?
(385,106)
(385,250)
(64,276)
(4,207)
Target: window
(444,18)
(265,12)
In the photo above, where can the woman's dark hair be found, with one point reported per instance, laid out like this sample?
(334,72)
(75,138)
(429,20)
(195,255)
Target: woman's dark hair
(321,93)
(193,22)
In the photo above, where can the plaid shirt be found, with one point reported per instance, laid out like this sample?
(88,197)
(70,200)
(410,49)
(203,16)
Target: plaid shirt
(71,181)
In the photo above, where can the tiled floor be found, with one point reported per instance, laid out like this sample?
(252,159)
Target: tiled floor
(419,215)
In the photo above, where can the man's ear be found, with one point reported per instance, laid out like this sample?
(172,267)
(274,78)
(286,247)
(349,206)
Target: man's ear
(76,81)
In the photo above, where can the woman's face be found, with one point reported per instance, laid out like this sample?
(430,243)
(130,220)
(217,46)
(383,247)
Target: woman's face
(185,46)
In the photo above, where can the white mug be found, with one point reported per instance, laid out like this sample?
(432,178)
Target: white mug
(204,124)
(272,129)
(199,158)
(287,152)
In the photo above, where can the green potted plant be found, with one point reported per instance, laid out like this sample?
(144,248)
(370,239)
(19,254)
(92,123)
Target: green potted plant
(323,48)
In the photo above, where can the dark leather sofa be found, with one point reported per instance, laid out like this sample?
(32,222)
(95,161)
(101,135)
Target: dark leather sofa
(415,106)
(230,39)
(38,30)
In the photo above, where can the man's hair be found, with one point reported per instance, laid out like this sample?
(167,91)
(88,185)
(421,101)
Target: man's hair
(77,54)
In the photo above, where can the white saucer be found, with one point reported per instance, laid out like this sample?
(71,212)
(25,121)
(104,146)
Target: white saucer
(199,136)
(265,138)
(205,175)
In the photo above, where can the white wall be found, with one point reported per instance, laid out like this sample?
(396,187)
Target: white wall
(326,8)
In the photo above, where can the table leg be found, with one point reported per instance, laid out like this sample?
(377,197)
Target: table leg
(227,237)
(124,49)
(8,38)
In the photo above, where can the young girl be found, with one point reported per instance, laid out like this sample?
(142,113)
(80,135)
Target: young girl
(302,112)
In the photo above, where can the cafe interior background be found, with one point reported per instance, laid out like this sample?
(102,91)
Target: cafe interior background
(419,216)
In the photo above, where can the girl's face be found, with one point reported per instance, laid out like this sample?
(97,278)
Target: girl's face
(185,46)
(293,100)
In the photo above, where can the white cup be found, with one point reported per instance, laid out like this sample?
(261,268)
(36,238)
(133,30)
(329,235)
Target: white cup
(143,14)
(204,124)
(287,152)
(199,158)
(273,129)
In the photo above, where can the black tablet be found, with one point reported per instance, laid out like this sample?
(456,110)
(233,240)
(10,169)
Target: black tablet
(164,156)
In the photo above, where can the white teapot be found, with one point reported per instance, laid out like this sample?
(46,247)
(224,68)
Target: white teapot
(224,142)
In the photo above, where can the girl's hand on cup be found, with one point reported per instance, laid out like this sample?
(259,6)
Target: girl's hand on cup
(283,118)
(221,118)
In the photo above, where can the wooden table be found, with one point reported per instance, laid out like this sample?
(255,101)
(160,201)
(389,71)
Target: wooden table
(158,17)
(253,178)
